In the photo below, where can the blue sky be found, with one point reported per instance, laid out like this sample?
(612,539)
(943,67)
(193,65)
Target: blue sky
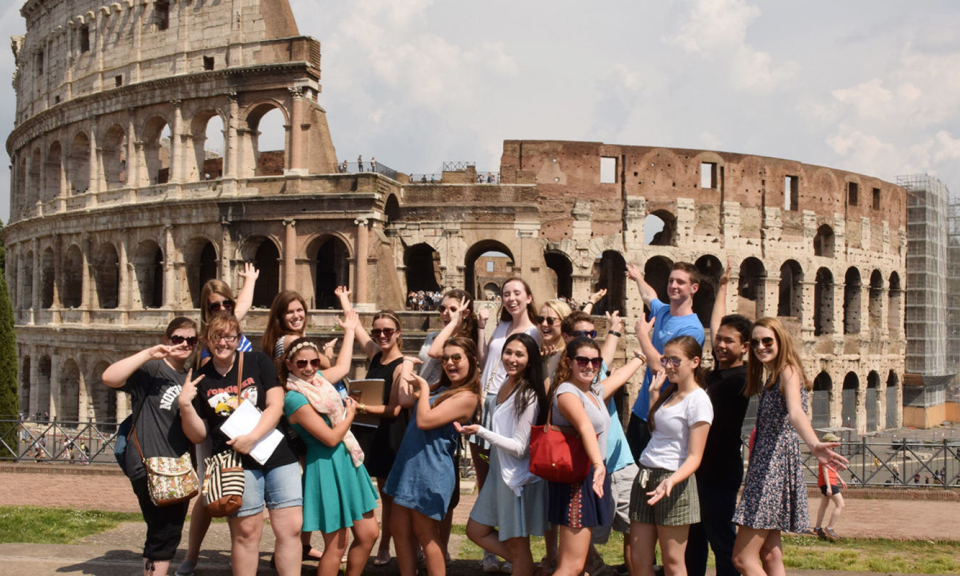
(868,86)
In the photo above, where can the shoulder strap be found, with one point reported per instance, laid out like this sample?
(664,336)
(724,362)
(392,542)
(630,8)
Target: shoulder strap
(133,423)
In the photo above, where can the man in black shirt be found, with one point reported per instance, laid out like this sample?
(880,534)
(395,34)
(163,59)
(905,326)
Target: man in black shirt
(721,470)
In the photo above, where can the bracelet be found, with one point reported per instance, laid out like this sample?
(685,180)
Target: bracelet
(361,408)
(614,333)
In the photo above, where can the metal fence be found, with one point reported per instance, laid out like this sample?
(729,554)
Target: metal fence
(355,168)
(29,440)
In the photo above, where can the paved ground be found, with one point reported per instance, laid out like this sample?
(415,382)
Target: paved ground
(116,552)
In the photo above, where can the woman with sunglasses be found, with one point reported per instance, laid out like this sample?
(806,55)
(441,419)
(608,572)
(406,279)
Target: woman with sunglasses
(424,478)
(337,491)
(151,377)
(288,322)
(511,506)
(230,378)
(459,319)
(664,502)
(774,497)
(385,352)
(579,401)
(551,316)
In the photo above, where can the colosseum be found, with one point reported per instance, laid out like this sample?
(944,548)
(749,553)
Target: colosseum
(120,211)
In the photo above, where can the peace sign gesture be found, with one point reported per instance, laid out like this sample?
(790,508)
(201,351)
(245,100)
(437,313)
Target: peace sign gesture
(189,390)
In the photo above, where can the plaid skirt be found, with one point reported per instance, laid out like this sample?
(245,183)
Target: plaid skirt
(680,508)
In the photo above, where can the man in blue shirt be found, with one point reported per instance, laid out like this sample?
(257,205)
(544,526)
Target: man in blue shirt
(667,321)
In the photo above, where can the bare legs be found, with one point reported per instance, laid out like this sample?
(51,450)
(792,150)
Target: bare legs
(386,509)
(516,550)
(758,552)
(426,532)
(365,532)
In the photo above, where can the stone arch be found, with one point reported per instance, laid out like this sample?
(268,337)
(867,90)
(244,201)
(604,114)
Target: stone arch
(710,269)
(823,302)
(824,242)
(329,256)
(656,272)
(660,229)
(750,289)
(201,263)
(20,177)
(790,303)
(69,408)
(491,291)
(822,400)
(893,405)
(850,400)
(47,279)
(72,281)
(208,128)
(610,273)
(256,160)
(113,157)
(474,282)
(148,264)
(79,164)
(156,150)
(33,176)
(44,371)
(52,172)
(106,274)
(422,263)
(264,253)
(23,390)
(872,400)
(391,209)
(875,306)
(26,272)
(561,269)
(852,296)
(894,298)
(103,399)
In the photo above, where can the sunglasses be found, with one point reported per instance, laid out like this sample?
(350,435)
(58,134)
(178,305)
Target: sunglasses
(386,332)
(583,334)
(762,342)
(443,309)
(216,306)
(583,362)
(178,340)
(674,361)
(301,364)
(455,357)
(550,320)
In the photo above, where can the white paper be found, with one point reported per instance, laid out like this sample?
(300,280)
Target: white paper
(243,420)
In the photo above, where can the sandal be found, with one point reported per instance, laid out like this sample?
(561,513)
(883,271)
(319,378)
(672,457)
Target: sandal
(380,560)
(831,534)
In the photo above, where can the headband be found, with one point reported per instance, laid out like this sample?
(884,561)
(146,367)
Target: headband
(301,346)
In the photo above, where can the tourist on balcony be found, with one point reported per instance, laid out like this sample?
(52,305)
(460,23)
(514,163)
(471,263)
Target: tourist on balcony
(774,497)
(360,163)
(230,378)
(385,352)
(151,376)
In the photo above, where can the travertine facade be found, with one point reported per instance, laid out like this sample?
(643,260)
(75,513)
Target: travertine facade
(113,232)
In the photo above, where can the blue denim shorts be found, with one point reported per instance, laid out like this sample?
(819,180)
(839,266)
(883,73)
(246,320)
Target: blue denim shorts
(280,488)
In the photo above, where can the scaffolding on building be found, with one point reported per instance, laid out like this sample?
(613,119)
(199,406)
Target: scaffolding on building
(927,302)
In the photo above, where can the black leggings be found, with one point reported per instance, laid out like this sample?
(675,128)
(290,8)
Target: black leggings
(164,523)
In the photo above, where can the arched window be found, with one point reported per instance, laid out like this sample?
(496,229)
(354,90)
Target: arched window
(710,269)
(561,273)
(264,150)
(485,262)
(200,257)
(660,229)
(894,297)
(26,272)
(79,168)
(876,300)
(873,382)
(823,303)
(391,209)
(852,290)
(750,287)
(610,276)
(47,279)
(106,269)
(267,260)
(73,278)
(113,157)
(156,151)
(33,193)
(69,408)
(331,264)
(824,242)
(656,272)
(822,397)
(206,162)
(23,397)
(790,302)
(851,397)
(422,264)
(103,399)
(44,371)
(53,172)
(148,265)
(893,406)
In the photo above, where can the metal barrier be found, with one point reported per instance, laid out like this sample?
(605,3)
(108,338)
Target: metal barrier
(905,463)
(48,441)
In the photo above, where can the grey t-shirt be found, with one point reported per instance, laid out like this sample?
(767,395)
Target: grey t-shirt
(597,413)
(431,369)
(158,426)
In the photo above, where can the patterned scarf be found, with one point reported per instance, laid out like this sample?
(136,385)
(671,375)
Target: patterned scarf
(326,400)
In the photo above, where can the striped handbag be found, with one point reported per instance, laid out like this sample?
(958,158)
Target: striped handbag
(223,484)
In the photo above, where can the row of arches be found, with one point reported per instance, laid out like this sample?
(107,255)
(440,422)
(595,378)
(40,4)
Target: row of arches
(69,395)
(876,394)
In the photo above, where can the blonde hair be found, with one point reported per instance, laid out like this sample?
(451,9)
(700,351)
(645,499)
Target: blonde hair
(786,356)
(213,286)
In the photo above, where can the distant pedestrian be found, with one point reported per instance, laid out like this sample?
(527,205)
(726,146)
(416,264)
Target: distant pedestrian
(373,163)
(830,484)
(360,163)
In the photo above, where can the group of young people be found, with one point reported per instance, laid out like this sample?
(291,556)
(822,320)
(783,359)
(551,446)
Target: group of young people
(671,477)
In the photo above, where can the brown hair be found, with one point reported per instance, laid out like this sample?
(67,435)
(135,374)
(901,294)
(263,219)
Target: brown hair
(213,286)
(275,329)
(472,382)
(469,326)
(563,369)
(218,326)
(691,349)
(574,318)
(295,348)
(183,322)
(391,316)
(690,269)
(531,307)
(786,356)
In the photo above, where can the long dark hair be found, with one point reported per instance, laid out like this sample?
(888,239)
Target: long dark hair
(275,329)
(691,349)
(531,387)
(472,383)
(531,307)
(469,326)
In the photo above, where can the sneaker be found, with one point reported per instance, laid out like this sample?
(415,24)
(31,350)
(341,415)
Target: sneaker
(506,567)
(818,531)
(186,568)
(831,534)
(490,564)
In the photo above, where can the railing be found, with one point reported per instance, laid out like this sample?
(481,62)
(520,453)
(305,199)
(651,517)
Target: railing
(455,166)
(425,178)
(366,166)
(25,440)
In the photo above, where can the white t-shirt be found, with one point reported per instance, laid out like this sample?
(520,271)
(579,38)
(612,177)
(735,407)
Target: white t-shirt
(671,434)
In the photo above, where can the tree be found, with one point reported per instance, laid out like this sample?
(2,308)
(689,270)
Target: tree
(8,360)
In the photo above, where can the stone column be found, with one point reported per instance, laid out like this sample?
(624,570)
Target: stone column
(295,131)
(57,270)
(360,286)
(770,294)
(29,207)
(132,163)
(290,255)
(227,250)
(176,144)
(54,384)
(169,278)
(124,287)
(807,326)
(885,311)
(35,288)
(94,160)
(13,258)
(231,170)
(34,398)
(86,290)
(64,187)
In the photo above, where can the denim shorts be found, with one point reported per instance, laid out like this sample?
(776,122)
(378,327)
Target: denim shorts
(280,487)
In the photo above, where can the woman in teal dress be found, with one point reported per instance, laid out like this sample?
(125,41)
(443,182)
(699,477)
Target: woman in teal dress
(345,497)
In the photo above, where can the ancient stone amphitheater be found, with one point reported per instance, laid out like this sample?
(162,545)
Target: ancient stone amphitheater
(120,211)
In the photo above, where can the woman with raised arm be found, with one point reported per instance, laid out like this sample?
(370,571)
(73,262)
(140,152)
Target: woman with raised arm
(774,497)
(459,319)
(579,401)
(423,479)
(288,322)
(152,377)
(337,491)
(230,378)
(385,352)
(511,506)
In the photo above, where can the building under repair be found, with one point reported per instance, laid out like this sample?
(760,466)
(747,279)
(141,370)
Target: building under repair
(120,211)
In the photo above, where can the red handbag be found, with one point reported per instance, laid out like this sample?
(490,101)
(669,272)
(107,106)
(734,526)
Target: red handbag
(558,455)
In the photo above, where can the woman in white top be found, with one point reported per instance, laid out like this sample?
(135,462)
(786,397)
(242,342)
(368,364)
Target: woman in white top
(664,501)
(514,500)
